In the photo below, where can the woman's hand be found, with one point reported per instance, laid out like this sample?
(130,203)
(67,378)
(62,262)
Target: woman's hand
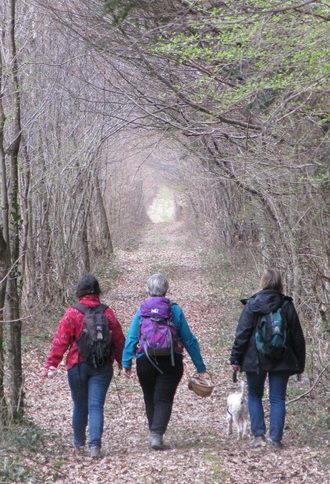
(50,372)
(236,367)
(201,374)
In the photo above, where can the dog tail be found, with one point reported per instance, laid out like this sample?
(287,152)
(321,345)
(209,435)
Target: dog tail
(243,389)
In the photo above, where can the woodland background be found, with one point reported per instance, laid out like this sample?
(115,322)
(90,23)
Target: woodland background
(105,104)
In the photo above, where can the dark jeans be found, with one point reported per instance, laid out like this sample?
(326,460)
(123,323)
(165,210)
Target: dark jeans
(278,381)
(88,390)
(159,389)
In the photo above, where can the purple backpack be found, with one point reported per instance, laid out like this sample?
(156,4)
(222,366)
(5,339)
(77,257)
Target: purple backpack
(158,334)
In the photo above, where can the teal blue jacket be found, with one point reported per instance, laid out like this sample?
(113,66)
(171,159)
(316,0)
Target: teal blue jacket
(187,338)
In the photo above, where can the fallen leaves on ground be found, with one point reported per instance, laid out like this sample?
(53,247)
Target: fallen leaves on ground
(199,449)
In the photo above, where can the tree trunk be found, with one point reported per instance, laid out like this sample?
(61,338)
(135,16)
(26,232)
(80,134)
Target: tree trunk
(3,272)
(14,360)
(105,234)
(26,224)
(4,256)
(84,245)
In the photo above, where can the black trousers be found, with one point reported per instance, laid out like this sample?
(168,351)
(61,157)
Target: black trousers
(159,389)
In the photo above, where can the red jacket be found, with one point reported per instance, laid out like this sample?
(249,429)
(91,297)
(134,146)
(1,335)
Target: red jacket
(69,330)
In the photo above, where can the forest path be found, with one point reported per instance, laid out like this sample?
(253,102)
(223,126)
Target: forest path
(199,449)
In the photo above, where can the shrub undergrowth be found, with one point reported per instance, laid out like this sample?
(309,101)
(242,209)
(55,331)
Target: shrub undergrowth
(16,440)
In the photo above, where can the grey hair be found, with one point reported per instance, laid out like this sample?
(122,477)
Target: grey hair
(157,285)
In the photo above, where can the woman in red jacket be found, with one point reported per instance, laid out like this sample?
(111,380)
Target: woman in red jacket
(88,384)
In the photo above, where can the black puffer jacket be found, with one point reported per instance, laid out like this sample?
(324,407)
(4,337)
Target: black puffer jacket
(244,352)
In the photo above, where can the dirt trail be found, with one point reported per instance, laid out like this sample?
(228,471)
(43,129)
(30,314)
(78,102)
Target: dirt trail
(200,451)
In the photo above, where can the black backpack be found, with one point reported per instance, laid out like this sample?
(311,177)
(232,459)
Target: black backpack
(94,343)
(271,334)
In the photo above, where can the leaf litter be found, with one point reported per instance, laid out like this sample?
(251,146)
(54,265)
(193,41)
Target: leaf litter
(199,450)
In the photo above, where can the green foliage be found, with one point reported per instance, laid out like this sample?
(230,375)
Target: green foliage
(162,208)
(14,440)
(28,436)
(253,49)
(11,471)
(219,473)
(311,419)
(318,178)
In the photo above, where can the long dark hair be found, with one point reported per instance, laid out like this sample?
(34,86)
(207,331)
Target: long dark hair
(88,284)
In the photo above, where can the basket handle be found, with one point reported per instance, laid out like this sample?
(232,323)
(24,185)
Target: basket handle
(200,378)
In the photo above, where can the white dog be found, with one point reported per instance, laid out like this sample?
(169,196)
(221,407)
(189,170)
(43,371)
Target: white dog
(237,413)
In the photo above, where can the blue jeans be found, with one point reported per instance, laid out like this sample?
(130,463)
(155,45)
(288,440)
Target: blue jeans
(278,381)
(88,387)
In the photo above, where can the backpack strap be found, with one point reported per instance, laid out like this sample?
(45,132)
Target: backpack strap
(173,304)
(83,308)
(284,302)
(100,308)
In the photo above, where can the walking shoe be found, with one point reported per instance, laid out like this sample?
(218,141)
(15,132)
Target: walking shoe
(156,441)
(79,450)
(277,444)
(258,441)
(95,452)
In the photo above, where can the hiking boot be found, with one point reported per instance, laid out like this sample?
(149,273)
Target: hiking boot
(276,444)
(95,452)
(156,441)
(258,441)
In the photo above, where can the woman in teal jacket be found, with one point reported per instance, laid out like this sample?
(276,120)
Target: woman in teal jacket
(160,377)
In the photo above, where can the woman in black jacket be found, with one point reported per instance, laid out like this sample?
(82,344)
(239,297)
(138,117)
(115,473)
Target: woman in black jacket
(245,357)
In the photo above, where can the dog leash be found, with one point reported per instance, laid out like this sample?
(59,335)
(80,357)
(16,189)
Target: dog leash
(235,376)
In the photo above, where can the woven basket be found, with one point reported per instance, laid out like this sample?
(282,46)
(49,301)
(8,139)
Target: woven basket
(203,387)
